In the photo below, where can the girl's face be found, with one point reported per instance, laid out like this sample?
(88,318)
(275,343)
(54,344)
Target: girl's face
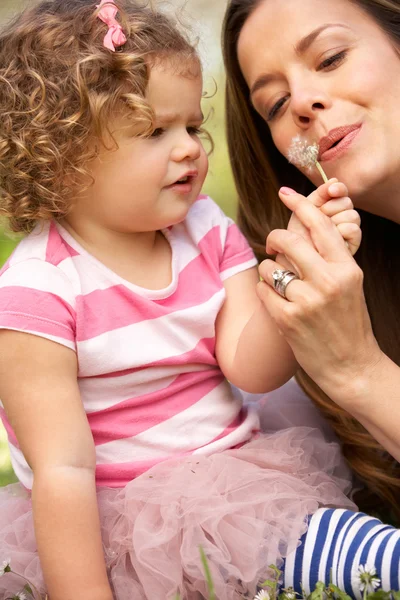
(325,70)
(148,184)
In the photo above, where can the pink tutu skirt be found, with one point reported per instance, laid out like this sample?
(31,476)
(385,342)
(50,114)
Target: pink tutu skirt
(246,507)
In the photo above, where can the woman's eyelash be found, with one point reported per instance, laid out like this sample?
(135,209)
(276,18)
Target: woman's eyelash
(332,61)
(274,110)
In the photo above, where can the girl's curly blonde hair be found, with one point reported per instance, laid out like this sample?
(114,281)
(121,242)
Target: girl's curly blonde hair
(59,87)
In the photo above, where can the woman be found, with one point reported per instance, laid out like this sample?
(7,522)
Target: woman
(329,72)
(346,72)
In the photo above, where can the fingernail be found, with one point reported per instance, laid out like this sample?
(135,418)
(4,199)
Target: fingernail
(287,191)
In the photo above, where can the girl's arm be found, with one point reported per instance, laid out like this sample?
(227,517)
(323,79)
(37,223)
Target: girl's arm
(249,347)
(39,391)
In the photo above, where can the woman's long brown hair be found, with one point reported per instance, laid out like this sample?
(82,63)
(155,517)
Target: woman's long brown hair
(259,170)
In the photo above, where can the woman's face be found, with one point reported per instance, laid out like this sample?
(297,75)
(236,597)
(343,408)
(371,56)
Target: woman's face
(325,70)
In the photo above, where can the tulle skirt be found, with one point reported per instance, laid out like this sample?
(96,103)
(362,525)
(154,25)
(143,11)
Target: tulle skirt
(246,508)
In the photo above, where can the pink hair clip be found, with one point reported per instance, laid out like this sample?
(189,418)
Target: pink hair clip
(115,36)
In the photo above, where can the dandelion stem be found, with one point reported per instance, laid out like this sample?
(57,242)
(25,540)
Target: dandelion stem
(320,169)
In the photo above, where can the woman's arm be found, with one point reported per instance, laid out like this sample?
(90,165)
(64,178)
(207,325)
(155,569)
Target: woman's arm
(39,391)
(326,322)
(374,400)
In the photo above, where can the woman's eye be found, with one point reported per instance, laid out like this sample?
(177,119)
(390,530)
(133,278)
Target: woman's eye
(275,109)
(157,132)
(332,61)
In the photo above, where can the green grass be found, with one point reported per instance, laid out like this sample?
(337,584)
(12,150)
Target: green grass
(6,247)
(6,473)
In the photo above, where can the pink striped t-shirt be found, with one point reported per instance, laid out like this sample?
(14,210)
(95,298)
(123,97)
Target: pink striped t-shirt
(148,376)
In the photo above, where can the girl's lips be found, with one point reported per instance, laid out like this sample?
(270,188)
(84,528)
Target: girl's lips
(341,147)
(181,188)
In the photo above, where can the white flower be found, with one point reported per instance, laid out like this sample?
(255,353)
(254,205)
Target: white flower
(262,595)
(303,154)
(290,594)
(5,567)
(21,596)
(366,578)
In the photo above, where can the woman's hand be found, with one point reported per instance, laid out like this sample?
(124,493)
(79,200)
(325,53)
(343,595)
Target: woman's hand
(324,315)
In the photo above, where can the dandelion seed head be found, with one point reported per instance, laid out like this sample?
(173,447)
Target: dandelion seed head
(302,154)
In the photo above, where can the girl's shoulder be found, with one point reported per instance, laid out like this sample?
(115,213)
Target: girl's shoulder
(204,218)
(218,237)
(206,212)
(44,244)
(36,293)
(37,267)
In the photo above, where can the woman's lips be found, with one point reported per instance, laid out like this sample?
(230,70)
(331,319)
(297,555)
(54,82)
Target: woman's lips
(343,145)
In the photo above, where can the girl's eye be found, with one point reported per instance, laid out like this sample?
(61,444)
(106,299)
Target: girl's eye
(157,132)
(193,130)
(332,61)
(275,109)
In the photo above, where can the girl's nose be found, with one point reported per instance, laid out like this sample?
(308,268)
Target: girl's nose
(187,147)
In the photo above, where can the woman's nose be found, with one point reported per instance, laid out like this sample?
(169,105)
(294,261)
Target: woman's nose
(307,104)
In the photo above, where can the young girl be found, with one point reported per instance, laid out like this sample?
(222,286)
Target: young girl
(123,312)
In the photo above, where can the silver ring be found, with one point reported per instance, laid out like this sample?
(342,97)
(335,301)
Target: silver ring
(281,281)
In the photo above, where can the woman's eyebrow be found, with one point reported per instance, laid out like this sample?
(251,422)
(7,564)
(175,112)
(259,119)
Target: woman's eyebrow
(304,44)
(301,47)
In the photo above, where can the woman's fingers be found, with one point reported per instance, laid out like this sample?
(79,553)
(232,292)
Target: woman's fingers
(266,270)
(319,196)
(298,251)
(323,194)
(323,232)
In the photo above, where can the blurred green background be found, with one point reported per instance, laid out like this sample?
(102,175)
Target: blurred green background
(203,18)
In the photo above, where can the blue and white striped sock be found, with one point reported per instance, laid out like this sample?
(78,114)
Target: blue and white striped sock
(338,541)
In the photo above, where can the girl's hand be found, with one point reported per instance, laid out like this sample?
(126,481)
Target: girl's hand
(324,318)
(332,199)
